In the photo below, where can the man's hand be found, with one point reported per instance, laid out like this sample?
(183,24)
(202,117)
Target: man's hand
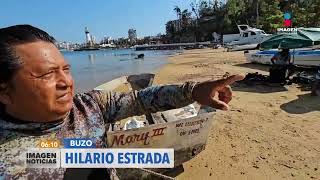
(205,92)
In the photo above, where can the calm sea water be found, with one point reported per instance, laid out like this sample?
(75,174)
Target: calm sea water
(92,68)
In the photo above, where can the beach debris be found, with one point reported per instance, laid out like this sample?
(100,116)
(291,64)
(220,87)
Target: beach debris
(238,110)
(133,123)
(256,77)
(304,79)
(262,157)
(256,141)
(285,165)
(226,75)
(234,158)
(255,166)
(201,65)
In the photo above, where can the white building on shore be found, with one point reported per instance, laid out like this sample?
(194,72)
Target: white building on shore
(132,35)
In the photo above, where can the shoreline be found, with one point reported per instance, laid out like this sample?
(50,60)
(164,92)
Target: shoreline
(269,133)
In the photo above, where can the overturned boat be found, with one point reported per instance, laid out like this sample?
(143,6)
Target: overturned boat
(184,129)
(301,57)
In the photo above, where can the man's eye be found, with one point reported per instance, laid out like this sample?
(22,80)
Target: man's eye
(47,75)
(67,70)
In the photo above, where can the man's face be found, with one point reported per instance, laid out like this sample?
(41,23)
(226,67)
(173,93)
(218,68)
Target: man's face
(42,90)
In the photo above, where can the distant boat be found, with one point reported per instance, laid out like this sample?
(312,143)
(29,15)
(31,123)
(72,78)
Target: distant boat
(87,49)
(140,56)
(108,46)
(303,57)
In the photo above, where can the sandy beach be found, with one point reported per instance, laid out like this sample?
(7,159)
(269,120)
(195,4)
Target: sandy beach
(269,133)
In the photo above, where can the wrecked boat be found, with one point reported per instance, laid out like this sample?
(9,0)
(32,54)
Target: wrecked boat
(184,129)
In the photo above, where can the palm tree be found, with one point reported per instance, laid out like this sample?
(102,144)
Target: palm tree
(195,10)
(178,12)
(185,17)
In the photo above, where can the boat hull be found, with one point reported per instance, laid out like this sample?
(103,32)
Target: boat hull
(307,57)
(87,49)
(302,57)
(242,47)
(184,129)
(187,136)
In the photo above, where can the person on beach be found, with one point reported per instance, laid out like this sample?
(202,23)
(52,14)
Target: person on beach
(281,68)
(316,85)
(281,58)
(37,101)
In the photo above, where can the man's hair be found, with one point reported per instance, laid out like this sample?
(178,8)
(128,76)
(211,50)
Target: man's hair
(12,36)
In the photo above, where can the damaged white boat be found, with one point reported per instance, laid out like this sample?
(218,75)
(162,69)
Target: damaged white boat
(242,47)
(185,129)
(247,39)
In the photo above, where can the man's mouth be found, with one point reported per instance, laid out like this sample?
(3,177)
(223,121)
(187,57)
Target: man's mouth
(66,97)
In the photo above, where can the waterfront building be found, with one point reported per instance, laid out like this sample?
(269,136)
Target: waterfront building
(132,35)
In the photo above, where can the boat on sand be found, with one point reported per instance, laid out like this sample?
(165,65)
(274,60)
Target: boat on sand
(184,129)
(301,57)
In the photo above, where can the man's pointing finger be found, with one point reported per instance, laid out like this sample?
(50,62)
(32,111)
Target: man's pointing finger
(229,80)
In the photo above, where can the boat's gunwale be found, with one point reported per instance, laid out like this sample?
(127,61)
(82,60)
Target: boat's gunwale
(199,116)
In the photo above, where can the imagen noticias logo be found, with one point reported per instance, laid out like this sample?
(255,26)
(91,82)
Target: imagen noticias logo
(287,19)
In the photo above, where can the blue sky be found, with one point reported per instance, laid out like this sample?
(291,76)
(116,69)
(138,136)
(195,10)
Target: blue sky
(66,19)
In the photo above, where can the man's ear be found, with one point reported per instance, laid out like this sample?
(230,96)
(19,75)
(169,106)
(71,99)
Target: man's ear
(4,94)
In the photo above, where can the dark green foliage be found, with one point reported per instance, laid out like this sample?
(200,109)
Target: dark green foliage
(208,16)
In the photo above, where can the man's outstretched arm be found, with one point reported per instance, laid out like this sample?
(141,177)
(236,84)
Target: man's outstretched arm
(116,106)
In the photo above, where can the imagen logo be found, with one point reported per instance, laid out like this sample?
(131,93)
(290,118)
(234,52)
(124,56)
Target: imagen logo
(287,23)
(287,19)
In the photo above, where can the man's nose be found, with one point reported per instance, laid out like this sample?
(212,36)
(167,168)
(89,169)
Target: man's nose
(64,80)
